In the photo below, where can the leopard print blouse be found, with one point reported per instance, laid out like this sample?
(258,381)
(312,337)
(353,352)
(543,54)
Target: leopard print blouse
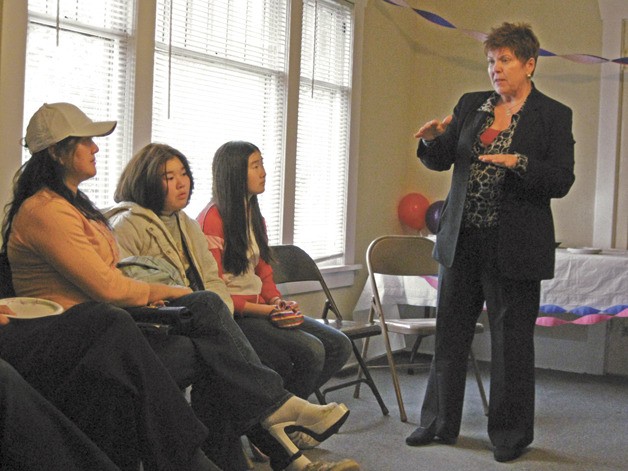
(486,181)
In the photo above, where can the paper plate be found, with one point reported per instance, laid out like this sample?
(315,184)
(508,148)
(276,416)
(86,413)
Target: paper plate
(585,250)
(31,308)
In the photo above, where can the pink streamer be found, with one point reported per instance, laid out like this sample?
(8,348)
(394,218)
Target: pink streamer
(432,280)
(584,320)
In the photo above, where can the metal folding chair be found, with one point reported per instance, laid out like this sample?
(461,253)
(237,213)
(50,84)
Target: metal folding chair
(292,264)
(405,256)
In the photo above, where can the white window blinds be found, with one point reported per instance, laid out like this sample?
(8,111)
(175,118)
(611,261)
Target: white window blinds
(323,130)
(220,75)
(78,52)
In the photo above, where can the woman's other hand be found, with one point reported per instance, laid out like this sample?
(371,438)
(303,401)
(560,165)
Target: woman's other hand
(4,309)
(432,129)
(501,160)
(161,292)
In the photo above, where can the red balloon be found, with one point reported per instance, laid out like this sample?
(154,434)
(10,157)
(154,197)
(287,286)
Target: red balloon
(412,209)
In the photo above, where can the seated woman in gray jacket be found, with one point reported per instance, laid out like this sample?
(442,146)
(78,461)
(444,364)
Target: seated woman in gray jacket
(148,221)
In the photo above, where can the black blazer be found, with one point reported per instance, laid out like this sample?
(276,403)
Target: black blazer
(526,244)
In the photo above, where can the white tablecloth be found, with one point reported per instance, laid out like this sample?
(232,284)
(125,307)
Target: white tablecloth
(598,281)
(584,284)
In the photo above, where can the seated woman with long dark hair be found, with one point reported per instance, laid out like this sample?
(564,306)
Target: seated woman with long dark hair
(307,356)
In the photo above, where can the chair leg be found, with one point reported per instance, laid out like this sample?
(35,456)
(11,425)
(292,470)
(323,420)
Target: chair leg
(478,378)
(365,347)
(320,396)
(395,376)
(368,378)
(415,349)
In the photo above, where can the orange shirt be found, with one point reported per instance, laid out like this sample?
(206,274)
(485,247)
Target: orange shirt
(56,253)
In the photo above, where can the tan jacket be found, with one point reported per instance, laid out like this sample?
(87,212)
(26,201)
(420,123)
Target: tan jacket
(57,254)
(139,231)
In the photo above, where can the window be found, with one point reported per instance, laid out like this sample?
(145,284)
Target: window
(84,59)
(221,70)
(221,73)
(322,155)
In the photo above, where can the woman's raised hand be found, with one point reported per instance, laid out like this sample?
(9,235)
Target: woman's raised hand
(432,129)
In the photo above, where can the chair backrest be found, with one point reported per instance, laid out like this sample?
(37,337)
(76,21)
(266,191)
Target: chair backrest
(398,255)
(292,264)
(401,255)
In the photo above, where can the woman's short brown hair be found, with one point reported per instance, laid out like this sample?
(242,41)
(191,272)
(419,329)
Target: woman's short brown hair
(142,179)
(518,37)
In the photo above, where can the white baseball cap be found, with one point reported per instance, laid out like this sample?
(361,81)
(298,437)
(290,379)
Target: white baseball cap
(55,121)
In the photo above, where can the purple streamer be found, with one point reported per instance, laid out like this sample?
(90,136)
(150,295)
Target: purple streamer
(616,309)
(440,21)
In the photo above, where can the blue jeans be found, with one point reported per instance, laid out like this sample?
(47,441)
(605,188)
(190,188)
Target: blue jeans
(232,390)
(240,382)
(305,357)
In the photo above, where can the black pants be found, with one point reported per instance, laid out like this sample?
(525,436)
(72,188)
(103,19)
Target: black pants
(95,366)
(512,307)
(36,436)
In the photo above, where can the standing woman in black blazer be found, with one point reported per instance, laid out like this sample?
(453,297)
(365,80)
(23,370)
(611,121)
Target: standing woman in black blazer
(512,151)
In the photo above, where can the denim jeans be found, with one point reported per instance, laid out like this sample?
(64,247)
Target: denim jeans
(305,357)
(232,390)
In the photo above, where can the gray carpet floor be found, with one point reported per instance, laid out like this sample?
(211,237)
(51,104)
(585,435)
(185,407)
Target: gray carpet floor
(581,425)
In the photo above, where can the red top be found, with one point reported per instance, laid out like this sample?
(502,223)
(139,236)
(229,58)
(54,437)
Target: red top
(212,226)
(489,136)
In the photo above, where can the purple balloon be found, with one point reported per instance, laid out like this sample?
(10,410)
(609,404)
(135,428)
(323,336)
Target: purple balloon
(433,214)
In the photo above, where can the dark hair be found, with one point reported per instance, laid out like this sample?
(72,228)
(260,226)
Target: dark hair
(518,37)
(141,181)
(230,171)
(43,170)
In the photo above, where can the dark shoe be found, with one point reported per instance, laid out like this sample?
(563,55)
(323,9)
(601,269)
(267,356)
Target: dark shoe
(505,453)
(423,436)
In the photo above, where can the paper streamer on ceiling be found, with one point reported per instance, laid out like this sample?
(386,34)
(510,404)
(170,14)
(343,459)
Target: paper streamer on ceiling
(440,21)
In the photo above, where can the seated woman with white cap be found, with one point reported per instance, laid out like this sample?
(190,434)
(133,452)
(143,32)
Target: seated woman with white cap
(61,248)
